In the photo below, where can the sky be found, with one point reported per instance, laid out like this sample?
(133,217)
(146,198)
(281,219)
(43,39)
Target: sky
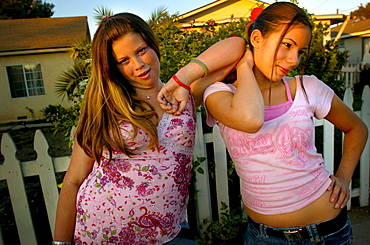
(144,8)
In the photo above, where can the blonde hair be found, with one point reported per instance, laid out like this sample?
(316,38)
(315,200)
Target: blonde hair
(109,98)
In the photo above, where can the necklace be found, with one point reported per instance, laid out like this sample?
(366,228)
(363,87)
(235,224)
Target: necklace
(148,96)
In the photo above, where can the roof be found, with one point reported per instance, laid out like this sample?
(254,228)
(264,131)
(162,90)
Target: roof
(222,7)
(333,18)
(357,27)
(221,11)
(41,33)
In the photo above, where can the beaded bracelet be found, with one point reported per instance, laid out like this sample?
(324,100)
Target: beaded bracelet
(205,68)
(180,83)
(60,243)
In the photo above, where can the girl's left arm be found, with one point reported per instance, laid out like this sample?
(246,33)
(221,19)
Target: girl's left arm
(355,137)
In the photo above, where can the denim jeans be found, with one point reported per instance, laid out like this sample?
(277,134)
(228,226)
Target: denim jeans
(180,240)
(343,236)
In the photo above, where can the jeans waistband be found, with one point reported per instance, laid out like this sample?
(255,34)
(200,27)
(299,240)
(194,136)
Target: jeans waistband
(305,232)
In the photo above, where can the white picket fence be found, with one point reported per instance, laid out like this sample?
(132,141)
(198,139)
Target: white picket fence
(13,171)
(351,74)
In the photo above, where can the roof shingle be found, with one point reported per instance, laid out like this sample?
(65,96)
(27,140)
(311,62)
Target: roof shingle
(41,33)
(353,26)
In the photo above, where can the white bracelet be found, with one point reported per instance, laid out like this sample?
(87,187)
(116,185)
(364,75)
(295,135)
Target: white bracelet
(60,243)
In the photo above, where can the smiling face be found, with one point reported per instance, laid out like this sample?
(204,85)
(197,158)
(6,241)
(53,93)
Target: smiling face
(288,51)
(136,61)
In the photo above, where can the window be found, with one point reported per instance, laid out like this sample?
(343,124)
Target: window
(25,80)
(341,44)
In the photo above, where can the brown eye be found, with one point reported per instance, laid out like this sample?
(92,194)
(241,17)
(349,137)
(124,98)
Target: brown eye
(122,62)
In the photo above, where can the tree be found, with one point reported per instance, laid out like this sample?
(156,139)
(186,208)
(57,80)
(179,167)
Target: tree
(361,12)
(21,9)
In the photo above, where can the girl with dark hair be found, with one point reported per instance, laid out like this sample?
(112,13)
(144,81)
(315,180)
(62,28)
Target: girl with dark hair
(289,196)
(127,182)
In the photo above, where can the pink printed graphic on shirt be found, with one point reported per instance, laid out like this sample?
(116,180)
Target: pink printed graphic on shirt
(246,146)
(300,112)
(295,138)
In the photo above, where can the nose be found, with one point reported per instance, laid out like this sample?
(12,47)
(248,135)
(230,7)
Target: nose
(138,63)
(293,58)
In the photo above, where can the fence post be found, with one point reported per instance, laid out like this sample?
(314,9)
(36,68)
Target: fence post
(365,158)
(48,182)
(348,100)
(222,185)
(17,192)
(328,147)
(204,205)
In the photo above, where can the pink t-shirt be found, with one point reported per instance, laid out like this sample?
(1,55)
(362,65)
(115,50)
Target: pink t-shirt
(142,199)
(280,168)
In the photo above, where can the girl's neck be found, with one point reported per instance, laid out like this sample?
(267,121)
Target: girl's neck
(149,92)
(263,82)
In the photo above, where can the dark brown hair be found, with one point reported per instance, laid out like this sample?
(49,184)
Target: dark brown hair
(281,16)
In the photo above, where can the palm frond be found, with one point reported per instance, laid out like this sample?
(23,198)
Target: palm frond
(101,13)
(157,15)
(70,79)
(81,49)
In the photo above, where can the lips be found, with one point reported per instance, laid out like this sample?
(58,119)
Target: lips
(283,70)
(144,75)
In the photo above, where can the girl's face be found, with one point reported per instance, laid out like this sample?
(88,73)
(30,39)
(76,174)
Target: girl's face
(136,60)
(289,51)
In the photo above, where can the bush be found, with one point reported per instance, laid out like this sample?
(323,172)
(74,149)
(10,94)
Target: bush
(62,118)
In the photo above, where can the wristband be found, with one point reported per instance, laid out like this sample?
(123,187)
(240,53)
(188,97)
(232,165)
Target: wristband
(205,68)
(60,243)
(180,83)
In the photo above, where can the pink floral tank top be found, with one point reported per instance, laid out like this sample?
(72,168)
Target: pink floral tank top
(142,199)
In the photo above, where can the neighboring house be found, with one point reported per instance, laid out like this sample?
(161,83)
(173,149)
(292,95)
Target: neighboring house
(221,12)
(33,54)
(356,39)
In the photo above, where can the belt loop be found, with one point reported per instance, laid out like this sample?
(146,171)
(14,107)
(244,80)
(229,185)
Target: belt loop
(313,233)
(263,230)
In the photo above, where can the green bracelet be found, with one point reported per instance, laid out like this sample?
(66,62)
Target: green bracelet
(205,68)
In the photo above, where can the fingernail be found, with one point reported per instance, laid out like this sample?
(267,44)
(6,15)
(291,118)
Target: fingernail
(332,200)
(336,205)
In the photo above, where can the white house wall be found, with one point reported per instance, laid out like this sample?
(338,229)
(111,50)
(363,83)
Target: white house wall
(353,44)
(52,64)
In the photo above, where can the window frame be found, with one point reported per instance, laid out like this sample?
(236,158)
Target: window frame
(31,81)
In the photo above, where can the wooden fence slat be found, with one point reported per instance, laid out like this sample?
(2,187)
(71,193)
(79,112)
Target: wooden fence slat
(222,185)
(328,145)
(17,192)
(47,177)
(365,158)
(61,163)
(348,100)
(204,205)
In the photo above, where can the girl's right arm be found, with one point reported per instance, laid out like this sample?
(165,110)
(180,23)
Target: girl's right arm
(79,168)
(219,59)
(243,110)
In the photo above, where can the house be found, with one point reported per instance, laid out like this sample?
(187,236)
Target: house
(221,12)
(33,53)
(356,39)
